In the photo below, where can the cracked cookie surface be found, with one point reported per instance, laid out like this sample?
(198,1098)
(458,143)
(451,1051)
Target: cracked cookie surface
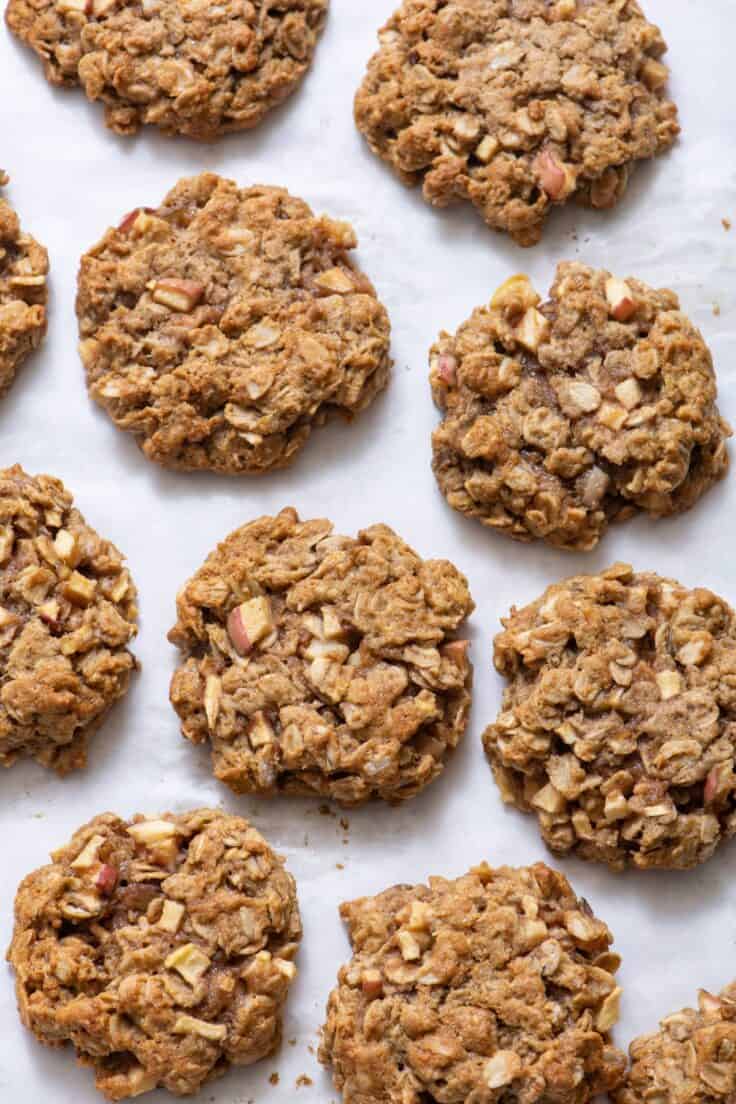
(321,664)
(690,1060)
(517,105)
(222,327)
(160,948)
(187,67)
(497,986)
(617,727)
(24,265)
(563,416)
(67,613)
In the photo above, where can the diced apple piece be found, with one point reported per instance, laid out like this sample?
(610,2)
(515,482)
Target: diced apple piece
(628,393)
(501,1069)
(332,625)
(152,831)
(487,148)
(335,280)
(212,699)
(410,949)
(121,588)
(620,298)
(6,544)
(189,961)
(178,295)
(66,547)
(371,983)
(131,218)
(555,177)
(171,916)
(65,7)
(669,683)
(286,968)
(447,369)
(515,294)
(532,330)
(260,732)
(107,879)
(187,1025)
(79,589)
(654,74)
(327,649)
(87,857)
(249,623)
(49,612)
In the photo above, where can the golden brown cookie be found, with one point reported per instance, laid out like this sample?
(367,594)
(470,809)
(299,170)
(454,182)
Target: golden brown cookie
(617,728)
(160,948)
(24,265)
(319,664)
(560,417)
(690,1060)
(223,326)
(495,987)
(186,67)
(517,105)
(67,613)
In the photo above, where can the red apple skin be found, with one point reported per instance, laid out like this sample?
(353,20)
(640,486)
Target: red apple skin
(236,632)
(107,879)
(125,224)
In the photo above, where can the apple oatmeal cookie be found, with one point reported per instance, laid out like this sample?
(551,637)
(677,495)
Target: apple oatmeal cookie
(618,722)
(497,986)
(517,105)
(320,664)
(560,417)
(220,328)
(24,265)
(67,613)
(690,1060)
(160,948)
(188,67)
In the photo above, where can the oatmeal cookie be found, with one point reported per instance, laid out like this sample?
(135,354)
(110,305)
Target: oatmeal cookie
(561,417)
(321,664)
(618,723)
(691,1060)
(186,67)
(222,327)
(497,986)
(24,265)
(516,105)
(161,949)
(67,612)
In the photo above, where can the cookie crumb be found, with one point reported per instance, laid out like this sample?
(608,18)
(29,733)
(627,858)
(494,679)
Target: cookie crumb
(303,1081)
(274,1079)
(717,309)
(726,224)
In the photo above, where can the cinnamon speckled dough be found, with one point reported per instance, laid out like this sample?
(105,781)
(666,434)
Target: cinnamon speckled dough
(24,265)
(497,986)
(516,105)
(161,948)
(618,727)
(67,613)
(320,664)
(690,1060)
(185,66)
(222,327)
(561,417)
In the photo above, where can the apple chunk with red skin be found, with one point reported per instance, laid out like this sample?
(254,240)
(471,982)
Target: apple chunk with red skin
(249,623)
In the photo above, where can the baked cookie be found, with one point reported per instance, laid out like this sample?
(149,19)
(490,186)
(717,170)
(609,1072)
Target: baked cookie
(67,613)
(320,664)
(517,105)
(186,67)
(618,724)
(222,327)
(161,949)
(690,1060)
(23,293)
(497,986)
(561,417)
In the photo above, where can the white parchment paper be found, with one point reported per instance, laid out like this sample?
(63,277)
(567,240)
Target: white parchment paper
(71,178)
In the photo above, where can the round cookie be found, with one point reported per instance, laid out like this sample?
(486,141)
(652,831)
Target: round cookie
(517,105)
(186,67)
(24,265)
(561,417)
(320,664)
(690,1060)
(617,728)
(67,613)
(497,986)
(160,948)
(222,327)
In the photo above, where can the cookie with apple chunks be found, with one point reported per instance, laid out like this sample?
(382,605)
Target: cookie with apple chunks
(517,105)
(560,417)
(497,986)
(24,265)
(189,68)
(160,948)
(222,327)
(319,664)
(67,614)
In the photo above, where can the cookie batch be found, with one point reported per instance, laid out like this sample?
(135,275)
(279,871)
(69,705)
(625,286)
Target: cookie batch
(219,329)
